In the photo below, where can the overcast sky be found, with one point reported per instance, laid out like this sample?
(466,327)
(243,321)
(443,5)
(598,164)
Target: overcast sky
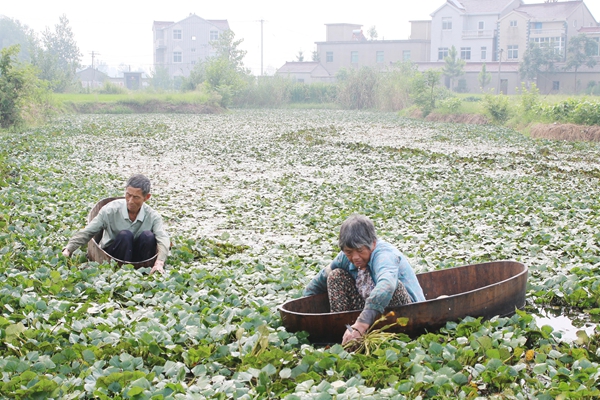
(121,31)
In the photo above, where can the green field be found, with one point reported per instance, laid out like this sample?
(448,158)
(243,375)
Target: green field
(253,201)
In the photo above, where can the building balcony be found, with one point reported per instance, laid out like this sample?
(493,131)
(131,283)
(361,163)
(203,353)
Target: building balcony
(547,32)
(478,34)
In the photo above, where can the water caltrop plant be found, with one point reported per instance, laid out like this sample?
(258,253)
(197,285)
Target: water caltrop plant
(253,201)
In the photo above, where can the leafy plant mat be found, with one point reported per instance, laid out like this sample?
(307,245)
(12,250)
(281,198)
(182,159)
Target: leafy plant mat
(253,201)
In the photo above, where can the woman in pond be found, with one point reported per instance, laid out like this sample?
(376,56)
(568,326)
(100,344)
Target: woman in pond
(368,274)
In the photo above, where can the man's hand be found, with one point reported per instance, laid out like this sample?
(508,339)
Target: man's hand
(66,253)
(158,266)
(358,330)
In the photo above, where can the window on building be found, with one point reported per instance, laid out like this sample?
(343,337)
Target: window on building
(480,25)
(354,57)
(193,49)
(593,49)
(214,35)
(556,86)
(193,62)
(483,53)
(465,53)
(446,23)
(537,25)
(176,56)
(176,33)
(300,80)
(557,43)
(379,56)
(406,55)
(513,23)
(329,56)
(513,52)
(442,53)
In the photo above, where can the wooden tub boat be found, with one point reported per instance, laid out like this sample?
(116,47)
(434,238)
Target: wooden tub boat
(96,253)
(477,290)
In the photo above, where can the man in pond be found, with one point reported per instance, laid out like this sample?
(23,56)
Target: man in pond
(132,230)
(368,274)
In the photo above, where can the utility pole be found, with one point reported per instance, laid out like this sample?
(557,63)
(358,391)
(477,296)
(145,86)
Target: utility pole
(93,53)
(261,46)
(499,66)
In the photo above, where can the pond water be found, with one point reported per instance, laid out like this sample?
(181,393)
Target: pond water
(564,322)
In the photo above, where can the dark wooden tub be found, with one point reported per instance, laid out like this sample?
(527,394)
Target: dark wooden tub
(95,252)
(478,290)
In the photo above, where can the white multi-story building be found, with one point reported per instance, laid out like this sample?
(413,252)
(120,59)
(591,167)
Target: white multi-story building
(470,26)
(178,46)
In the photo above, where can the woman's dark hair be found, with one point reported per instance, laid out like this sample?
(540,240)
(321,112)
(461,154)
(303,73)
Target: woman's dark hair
(139,181)
(357,231)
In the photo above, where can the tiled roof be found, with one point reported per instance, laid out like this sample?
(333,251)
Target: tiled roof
(549,11)
(482,6)
(220,23)
(298,67)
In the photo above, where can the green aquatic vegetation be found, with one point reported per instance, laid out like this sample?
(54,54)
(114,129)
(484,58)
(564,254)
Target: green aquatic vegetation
(253,201)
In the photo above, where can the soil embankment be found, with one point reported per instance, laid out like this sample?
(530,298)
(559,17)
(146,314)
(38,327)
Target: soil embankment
(132,107)
(566,132)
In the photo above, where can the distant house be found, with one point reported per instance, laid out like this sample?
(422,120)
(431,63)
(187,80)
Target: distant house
(345,46)
(178,46)
(470,26)
(304,72)
(92,78)
(545,24)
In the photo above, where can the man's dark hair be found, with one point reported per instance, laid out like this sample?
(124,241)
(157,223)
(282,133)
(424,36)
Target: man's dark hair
(139,181)
(357,231)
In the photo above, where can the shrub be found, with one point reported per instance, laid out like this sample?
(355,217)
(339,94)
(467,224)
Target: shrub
(23,97)
(497,108)
(577,111)
(450,105)
(111,88)
(529,102)
(358,88)
(394,88)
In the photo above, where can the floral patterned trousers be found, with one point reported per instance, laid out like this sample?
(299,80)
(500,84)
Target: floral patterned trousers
(344,296)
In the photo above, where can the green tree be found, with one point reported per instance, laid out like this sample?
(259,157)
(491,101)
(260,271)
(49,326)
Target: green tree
(536,61)
(315,56)
(579,53)
(12,32)
(196,77)
(484,78)
(300,56)
(228,48)
(59,57)
(21,92)
(161,80)
(453,67)
(372,32)
(426,90)
(225,72)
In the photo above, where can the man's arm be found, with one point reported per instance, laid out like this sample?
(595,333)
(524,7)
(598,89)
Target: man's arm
(162,239)
(83,236)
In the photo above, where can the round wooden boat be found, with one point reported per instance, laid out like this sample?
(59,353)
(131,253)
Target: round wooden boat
(96,253)
(477,290)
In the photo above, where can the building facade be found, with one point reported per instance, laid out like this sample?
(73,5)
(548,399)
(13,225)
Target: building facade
(546,24)
(347,47)
(494,33)
(179,46)
(470,26)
